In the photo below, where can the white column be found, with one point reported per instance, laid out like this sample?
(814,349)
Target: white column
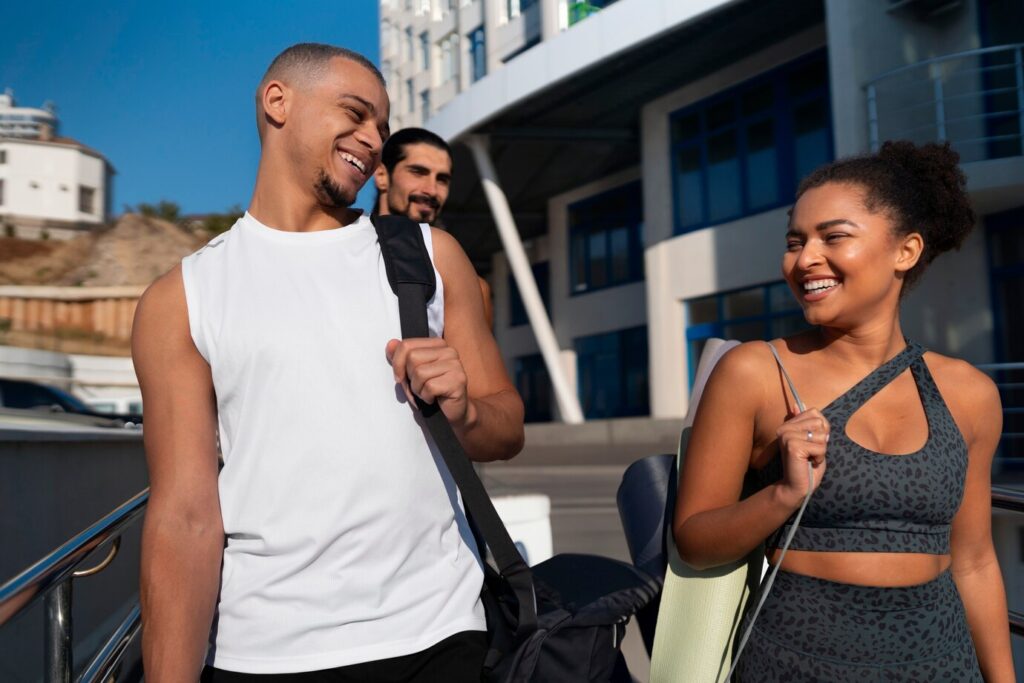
(568,401)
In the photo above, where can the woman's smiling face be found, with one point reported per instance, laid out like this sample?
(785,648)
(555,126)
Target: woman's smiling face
(843,262)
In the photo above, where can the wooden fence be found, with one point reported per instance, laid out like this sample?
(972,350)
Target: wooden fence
(97,314)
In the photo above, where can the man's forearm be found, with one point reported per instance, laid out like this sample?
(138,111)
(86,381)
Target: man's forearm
(179,584)
(494,427)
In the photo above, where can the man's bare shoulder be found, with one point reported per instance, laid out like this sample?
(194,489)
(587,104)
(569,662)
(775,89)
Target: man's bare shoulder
(163,302)
(451,261)
(445,246)
(162,313)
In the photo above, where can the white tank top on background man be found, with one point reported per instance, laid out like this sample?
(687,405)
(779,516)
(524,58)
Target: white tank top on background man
(345,537)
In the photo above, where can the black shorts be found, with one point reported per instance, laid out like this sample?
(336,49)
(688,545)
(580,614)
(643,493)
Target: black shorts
(456,659)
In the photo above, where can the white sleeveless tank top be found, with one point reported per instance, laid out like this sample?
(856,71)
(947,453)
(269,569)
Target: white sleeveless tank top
(346,541)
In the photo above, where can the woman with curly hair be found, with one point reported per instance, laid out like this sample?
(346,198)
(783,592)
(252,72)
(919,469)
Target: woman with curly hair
(891,573)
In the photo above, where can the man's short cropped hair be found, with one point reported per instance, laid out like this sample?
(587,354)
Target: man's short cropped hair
(304,63)
(395,148)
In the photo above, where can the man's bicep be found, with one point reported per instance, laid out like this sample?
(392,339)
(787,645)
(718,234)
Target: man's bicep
(465,325)
(180,408)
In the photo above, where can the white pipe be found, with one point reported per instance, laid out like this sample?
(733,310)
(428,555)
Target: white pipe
(568,401)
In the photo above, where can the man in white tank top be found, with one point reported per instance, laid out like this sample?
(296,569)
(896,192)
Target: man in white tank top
(331,543)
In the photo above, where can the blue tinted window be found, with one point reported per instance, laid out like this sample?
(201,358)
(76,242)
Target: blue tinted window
(723,172)
(606,239)
(762,160)
(761,312)
(478,53)
(517,315)
(743,151)
(689,191)
(534,386)
(612,373)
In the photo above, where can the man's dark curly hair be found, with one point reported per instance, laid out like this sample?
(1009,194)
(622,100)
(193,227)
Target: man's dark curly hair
(920,188)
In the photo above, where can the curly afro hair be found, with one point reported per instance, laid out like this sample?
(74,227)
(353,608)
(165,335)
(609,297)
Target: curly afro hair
(920,188)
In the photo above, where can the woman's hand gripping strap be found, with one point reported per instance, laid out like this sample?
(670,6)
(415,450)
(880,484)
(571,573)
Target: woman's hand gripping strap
(766,589)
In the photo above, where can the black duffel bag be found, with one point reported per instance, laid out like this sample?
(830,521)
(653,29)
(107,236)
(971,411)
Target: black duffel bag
(562,622)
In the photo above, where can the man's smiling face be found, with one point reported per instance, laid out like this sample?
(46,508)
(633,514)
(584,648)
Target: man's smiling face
(419,184)
(337,127)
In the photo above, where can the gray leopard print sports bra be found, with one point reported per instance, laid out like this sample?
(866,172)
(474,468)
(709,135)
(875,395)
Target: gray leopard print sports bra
(872,502)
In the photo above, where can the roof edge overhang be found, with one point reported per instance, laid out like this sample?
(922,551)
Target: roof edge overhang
(613,31)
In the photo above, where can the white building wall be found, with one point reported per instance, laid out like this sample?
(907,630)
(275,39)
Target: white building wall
(41,181)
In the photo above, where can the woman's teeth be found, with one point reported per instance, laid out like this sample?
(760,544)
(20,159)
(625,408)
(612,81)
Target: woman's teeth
(815,286)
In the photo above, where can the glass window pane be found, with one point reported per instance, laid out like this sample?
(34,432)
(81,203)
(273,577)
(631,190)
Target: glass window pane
(808,77)
(743,304)
(620,255)
(1010,290)
(1007,247)
(749,331)
(689,191)
(787,325)
(723,177)
(685,127)
(810,129)
(762,165)
(578,256)
(703,310)
(598,259)
(780,298)
(721,114)
(758,99)
(634,358)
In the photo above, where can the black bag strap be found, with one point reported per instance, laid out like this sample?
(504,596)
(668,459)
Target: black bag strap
(411,275)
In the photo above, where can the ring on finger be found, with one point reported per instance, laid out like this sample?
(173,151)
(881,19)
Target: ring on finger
(810,435)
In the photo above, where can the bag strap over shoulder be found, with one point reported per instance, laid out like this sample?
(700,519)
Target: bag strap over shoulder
(789,381)
(411,275)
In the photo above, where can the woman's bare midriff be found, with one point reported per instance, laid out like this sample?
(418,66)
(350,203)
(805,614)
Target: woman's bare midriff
(865,569)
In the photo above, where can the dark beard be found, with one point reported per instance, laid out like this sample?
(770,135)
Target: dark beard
(417,212)
(330,193)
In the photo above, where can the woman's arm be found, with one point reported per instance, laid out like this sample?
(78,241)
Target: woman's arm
(712,525)
(975,567)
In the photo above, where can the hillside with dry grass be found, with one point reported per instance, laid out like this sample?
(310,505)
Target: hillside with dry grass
(135,251)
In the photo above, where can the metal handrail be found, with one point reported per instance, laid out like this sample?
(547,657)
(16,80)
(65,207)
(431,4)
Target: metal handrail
(940,98)
(1005,498)
(944,58)
(50,578)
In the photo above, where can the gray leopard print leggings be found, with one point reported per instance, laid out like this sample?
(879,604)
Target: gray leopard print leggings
(816,630)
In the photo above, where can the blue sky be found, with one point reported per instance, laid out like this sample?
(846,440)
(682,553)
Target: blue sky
(165,89)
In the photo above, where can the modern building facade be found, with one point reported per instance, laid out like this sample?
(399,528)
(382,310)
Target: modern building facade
(648,150)
(623,175)
(50,186)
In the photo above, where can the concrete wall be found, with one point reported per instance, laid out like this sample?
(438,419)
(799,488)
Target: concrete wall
(42,180)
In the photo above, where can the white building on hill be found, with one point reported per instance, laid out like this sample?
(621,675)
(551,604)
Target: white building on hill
(50,186)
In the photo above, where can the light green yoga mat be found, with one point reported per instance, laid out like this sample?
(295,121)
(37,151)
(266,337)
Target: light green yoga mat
(700,610)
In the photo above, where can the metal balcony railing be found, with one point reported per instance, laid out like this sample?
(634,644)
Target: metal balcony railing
(1004,498)
(973,99)
(50,579)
